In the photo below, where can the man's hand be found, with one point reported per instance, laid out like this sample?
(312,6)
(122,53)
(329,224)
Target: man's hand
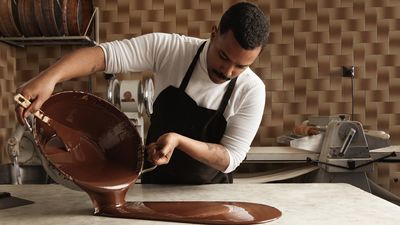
(37,91)
(160,152)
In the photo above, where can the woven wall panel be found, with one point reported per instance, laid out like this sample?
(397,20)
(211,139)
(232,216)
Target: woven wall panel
(34,59)
(301,66)
(316,38)
(7,90)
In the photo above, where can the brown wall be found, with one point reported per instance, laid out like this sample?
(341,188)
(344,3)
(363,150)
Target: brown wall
(301,67)
(310,41)
(7,88)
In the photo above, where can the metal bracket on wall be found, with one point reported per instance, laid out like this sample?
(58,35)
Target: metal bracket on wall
(349,72)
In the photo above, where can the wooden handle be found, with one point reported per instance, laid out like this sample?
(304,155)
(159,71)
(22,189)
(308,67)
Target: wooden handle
(25,103)
(305,130)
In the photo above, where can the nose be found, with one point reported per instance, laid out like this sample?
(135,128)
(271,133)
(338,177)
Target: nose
(227,69)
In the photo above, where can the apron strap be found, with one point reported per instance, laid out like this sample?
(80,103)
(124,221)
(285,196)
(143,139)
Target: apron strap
(227,96)
(224,102)
(188,75)
(189,72)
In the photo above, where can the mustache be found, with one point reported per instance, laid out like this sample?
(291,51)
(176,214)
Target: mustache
(221,75)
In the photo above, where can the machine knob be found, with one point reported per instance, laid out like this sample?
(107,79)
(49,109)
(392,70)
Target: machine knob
(148,94)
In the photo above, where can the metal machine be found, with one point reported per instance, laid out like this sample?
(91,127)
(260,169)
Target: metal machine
(342,152)
(25,166)
(345,154)
(344,147)
(132,97)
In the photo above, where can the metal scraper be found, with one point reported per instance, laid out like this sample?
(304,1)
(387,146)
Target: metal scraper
(8,201)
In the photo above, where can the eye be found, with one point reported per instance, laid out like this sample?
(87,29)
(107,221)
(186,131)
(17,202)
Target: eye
(241,67)
(223,56)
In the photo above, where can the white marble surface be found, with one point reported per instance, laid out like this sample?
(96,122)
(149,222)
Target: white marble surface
(336,204)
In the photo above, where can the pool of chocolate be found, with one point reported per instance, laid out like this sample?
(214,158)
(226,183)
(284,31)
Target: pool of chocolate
(105,158)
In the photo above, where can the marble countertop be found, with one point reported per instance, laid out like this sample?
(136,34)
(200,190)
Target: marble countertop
(309,204)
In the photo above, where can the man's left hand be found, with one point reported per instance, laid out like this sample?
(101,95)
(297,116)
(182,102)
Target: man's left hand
(160,152)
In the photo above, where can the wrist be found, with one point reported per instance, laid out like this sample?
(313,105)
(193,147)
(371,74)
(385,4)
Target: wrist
(176,139)
(50,76)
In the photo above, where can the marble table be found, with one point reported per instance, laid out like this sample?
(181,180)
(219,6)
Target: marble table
(323,203)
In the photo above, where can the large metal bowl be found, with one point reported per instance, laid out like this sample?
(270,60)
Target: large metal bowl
(96,119)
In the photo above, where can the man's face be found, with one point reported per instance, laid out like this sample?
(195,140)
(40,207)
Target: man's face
(226,59)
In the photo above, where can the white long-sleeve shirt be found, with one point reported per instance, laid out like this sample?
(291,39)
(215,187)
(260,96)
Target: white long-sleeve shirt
(168,56)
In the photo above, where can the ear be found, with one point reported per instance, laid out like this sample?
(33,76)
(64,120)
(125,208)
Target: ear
(214,31)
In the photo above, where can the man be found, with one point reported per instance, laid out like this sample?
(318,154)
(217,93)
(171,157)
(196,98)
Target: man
(208,104)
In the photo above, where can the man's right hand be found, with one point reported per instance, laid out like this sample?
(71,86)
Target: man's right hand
(37,91)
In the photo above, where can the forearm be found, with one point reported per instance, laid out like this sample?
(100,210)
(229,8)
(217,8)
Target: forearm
(79,63)
(161,151)
(211,154)
(82,62)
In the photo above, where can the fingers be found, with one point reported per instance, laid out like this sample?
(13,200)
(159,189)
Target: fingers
(19,112)
(151,148)
(161,158)
(157,155)
(33,107)
(22,112)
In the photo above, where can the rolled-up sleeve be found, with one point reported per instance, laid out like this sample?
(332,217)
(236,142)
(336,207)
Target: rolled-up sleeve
(243,125)
(130,55)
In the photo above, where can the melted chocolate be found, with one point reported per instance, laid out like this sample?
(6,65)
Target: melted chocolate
(70,137)
(197,212)
(105,160)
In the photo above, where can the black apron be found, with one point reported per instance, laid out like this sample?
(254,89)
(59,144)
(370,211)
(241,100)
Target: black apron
(175,111)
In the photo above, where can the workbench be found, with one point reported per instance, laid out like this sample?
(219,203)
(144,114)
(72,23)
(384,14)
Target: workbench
(294,156)
(281,154)
(309,204)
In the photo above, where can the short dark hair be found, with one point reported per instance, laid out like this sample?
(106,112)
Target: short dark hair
(250,26)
